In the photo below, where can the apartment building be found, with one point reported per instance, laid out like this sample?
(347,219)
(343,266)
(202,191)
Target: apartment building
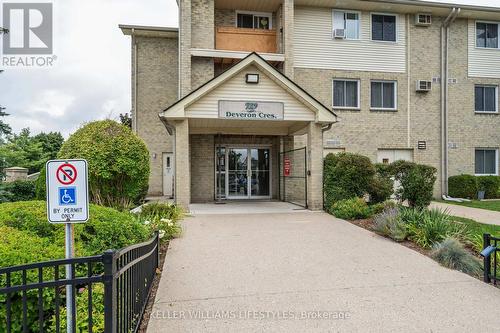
(244,99)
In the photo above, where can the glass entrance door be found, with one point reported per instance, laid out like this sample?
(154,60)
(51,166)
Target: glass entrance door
(248,173)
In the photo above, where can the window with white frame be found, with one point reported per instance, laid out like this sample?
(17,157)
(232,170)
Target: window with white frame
(383,95)
(486,161)
(349,21)
(486,98)
(487,35)
(254,20)
(346,94)
(384,27)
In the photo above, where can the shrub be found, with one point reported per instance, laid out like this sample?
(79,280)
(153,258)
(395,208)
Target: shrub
(462,186)
(452,254)
(162,218)
(417,185)
(18,190)
(346,176)
(40,185)
(351,209)
(390,224)
(400,168)
(380,189)
(107,228)
(428,227)
(381,206)
(118,162)
(489,184)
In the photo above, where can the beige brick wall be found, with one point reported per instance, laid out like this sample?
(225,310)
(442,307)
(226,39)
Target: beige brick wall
(467,129)
(202,168)
(202,19)
(225,18)
(157,89)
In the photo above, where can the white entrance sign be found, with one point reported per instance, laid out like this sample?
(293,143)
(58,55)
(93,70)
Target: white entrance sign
(67,191)
(251,110)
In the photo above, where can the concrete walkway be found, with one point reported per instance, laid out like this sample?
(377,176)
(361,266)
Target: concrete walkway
(301,272)
(480,215)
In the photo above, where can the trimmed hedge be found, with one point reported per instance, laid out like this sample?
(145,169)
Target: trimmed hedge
(346,176)
(462,186)
(489,184)
(417,185)
(18,190)
(467,186)
(118,162)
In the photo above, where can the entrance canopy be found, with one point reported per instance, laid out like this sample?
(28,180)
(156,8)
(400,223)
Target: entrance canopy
(252,97)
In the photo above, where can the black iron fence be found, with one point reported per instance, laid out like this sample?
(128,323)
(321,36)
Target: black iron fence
(111,292)
(490,255)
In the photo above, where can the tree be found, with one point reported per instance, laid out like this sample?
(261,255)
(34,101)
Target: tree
(118,162)
(126,120)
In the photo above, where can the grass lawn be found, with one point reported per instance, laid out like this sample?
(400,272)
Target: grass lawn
(489,205)
(479,228)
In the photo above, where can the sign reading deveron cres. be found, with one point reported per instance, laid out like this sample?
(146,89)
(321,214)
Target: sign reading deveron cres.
(67,191)
(251,110)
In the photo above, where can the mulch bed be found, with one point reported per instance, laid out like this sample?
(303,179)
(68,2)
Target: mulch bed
(147,312)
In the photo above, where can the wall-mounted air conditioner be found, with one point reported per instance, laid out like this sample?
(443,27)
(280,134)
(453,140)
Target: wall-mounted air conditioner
(339,33)
(423,19)
(424,86)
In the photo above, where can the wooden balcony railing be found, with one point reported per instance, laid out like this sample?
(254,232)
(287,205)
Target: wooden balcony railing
(250,40)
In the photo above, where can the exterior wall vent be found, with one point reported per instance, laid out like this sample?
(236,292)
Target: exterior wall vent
(423,19)
(424,86)
(339,33)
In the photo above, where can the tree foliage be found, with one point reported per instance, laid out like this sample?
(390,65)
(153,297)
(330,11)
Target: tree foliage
(118,162)
(27,151)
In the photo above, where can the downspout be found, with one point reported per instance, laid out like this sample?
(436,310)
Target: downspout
(408,83)
(445,33)
(134,114)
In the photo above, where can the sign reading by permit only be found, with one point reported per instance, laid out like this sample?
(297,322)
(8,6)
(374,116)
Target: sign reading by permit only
(67,191)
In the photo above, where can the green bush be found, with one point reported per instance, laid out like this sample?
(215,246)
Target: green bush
(417,185)
(107,228)
(381,206)
(346,176)
(452,254)
(18,190)
(118,162)
(380,189)
(351,209)
(40,185)
(161,210)
(400,168)
(462,186)
(489,184)
(162,218)
(390,224)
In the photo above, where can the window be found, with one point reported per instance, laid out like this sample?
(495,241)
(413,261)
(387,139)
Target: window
(487,35)
(346,93)
(383,95)
(384,27)
(254,20)
(486,162)
(486,98)
(348,21)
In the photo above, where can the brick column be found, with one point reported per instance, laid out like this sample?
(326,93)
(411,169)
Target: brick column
(315,167)
(288,18)
(182,164)
(184,47)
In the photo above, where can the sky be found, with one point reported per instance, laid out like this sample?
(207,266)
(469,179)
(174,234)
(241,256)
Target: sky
(91,76)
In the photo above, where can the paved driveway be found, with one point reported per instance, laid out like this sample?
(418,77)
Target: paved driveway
(265,272)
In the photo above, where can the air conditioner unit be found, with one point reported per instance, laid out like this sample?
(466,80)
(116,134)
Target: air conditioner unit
(339,33)
(424,86)
(423,19)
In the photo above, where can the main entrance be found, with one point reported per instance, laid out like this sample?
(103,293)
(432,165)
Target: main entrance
(243,173)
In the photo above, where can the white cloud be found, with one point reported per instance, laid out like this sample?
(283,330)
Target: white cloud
(51,102)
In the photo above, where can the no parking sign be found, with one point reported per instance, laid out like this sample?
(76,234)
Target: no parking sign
(67,191)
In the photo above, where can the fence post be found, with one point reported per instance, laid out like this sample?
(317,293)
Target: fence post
(109,291)
(157,236)
(486,259)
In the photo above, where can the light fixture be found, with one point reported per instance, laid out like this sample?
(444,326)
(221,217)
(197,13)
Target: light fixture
(252,78)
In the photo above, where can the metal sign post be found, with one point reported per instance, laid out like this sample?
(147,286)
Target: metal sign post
(68,203)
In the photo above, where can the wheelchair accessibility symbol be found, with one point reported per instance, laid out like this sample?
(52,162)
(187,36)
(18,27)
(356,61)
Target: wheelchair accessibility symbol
(67,196)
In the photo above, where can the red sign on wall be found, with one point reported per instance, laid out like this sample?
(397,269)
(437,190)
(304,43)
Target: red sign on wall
(287,167)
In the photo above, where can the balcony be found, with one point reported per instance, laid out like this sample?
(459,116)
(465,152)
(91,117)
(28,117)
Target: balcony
(246,40)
